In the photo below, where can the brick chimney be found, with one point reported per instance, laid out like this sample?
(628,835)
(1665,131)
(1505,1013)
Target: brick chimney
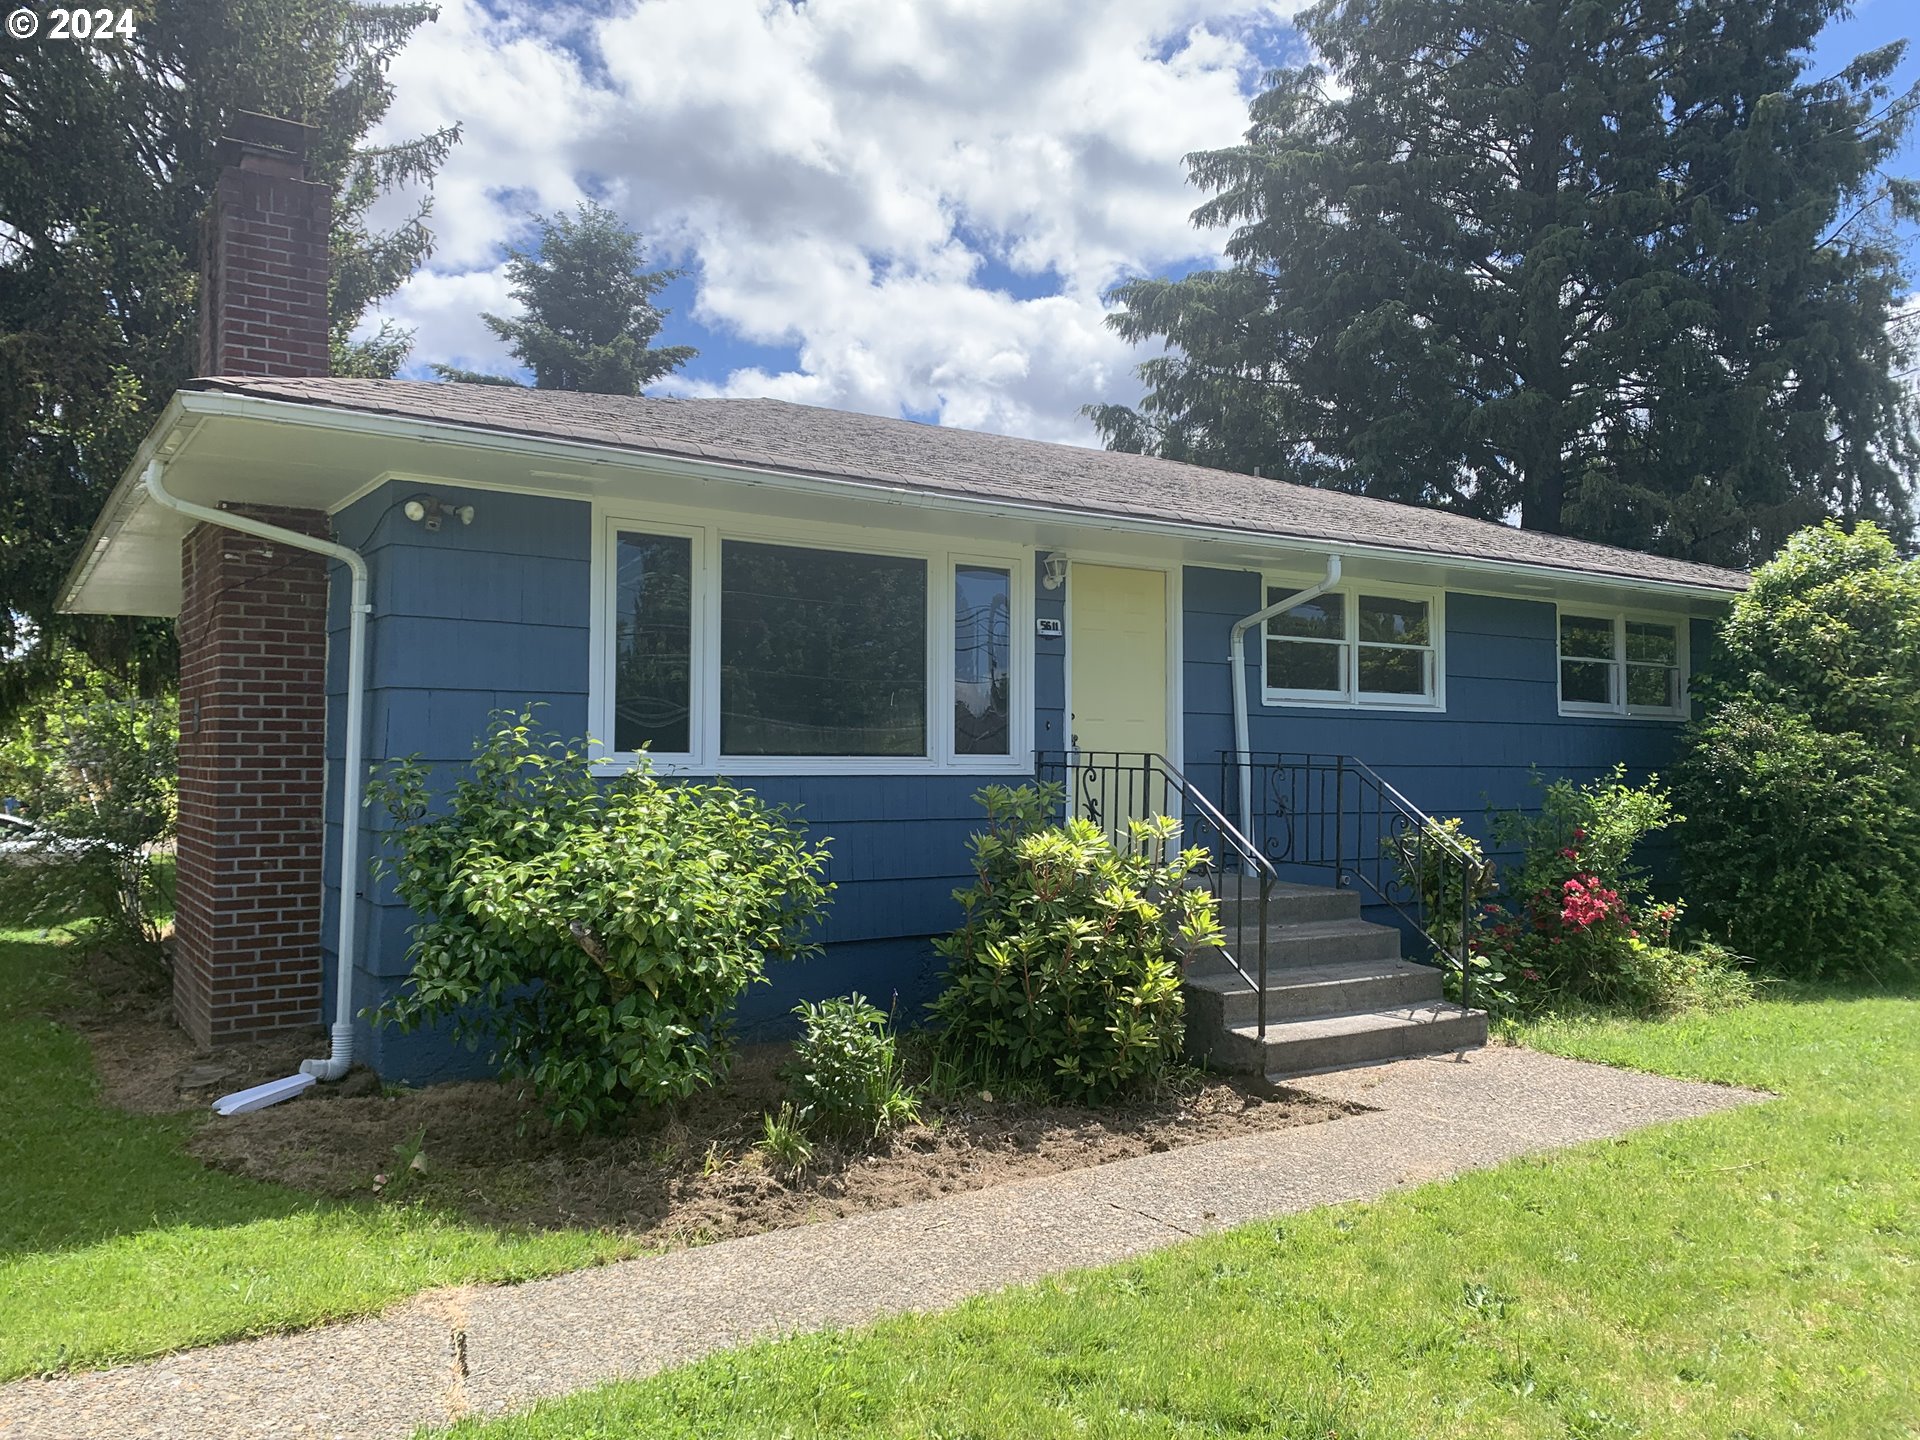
(263,292)
(253,631)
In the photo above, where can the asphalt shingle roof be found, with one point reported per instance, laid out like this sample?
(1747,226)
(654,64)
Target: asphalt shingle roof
(837,444)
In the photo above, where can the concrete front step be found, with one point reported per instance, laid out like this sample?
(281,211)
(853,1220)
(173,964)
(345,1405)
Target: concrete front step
(1287,904)
(1220,1001)
(1314,942)
(1330,1042)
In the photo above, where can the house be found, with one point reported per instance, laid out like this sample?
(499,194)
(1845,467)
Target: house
(865,618)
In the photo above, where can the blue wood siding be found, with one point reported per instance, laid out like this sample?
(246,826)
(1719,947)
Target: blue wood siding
(472,619)
(1478,758)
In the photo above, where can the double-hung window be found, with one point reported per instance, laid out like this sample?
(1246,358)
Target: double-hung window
(1360,645)
(1615,664)
(750,653)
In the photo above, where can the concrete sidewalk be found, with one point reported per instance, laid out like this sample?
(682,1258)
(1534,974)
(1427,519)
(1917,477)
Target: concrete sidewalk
(487,1350)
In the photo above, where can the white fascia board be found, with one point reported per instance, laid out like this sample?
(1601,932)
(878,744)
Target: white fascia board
(594,453)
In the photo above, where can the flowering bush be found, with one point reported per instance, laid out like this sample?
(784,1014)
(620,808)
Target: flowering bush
(1579,922)
(1578,901)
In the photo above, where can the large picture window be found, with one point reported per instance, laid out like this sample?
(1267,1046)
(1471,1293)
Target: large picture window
(759,655)
(822,652)
(1616,664)
(1354,646)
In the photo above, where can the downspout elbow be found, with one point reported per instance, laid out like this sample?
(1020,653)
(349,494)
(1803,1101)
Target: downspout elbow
(338,1061)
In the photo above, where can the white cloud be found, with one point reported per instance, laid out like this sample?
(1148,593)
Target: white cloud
(839,173)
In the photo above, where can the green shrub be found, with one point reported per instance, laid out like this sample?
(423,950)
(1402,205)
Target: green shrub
(597,933)
(1801,779)
(94,768)
(846,1078)
(1434,865)
(1065,974)
(1668,979)
(1806,851)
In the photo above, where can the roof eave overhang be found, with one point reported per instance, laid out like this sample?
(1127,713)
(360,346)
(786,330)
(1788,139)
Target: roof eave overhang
(189,407)
(127,496)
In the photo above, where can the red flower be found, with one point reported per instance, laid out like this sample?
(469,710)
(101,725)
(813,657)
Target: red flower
(1579,832)
(1586,901)
(1529,974)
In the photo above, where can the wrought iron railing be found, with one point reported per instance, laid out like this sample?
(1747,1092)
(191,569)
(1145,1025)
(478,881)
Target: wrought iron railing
(1335,813)
(1112,788)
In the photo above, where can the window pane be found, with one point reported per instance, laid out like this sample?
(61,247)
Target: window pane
(982,659)
(1656,644)
(1292,665)
(821,652)
(652,642)
(1652,687)
(1586,682)
(1392,672)
(1392,622)
(1322,619)
(1585,635)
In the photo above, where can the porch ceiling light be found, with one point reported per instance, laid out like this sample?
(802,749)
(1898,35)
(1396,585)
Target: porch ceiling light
(1056,571)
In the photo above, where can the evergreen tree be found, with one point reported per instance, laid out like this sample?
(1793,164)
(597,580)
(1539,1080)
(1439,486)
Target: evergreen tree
(590,317)
(1624,272)
(107,165)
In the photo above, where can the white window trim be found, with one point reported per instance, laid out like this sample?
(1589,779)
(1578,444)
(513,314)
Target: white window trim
(1350,696)
(1620,710)
(708,532)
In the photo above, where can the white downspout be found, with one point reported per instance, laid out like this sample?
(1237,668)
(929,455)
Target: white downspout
(1236,652)
(340,1057)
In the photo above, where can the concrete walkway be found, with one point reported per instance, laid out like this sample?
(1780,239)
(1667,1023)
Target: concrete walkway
(488,1350)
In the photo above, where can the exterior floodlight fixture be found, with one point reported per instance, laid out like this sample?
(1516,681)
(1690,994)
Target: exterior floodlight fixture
(429,511)
(1056,571)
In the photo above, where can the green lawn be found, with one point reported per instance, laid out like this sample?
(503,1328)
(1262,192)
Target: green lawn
(114,1243)
(1753,1274)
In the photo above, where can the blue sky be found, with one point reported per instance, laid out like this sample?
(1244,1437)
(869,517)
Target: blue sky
(906,210)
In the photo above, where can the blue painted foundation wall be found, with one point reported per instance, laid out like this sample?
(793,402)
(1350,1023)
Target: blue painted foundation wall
(495,615)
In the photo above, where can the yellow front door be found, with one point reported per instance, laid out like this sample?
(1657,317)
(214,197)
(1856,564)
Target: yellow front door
(1119,684)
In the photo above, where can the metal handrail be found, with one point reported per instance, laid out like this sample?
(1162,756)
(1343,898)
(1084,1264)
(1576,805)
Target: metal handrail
(1367,820)
(1110,787)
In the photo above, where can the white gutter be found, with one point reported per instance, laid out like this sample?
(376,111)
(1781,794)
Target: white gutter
(1236,653)
(341,1056)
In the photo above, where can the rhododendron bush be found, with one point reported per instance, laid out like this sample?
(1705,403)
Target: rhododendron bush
(1579,920)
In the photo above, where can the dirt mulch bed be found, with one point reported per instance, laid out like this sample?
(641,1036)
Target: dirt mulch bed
(687,1175)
